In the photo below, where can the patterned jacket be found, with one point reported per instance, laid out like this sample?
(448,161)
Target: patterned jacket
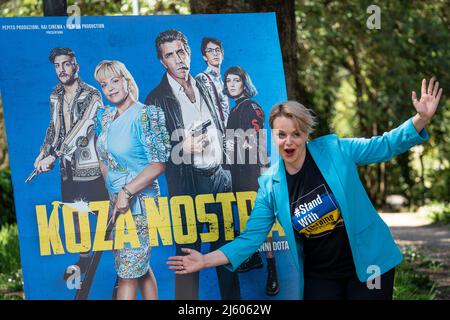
(212,81)
(75,144)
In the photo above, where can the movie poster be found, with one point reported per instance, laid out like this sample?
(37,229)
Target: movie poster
(132,137)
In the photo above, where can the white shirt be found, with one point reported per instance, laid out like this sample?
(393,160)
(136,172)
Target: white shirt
(194,114)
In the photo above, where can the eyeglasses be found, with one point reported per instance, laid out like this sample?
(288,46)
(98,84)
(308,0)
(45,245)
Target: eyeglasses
(216,50)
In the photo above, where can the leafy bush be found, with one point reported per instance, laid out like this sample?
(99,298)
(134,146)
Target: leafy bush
(11,283)
(11,286)
(9,249)
(410,283)
(440,184)
(440,212)
(7,212)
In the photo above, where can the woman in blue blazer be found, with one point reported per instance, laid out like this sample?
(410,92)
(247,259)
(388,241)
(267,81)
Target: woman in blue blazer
(344,250)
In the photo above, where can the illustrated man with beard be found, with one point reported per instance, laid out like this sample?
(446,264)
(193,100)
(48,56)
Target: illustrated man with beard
(70,137)
(187,103)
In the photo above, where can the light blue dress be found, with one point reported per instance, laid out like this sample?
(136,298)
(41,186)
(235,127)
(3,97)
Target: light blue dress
(127,145)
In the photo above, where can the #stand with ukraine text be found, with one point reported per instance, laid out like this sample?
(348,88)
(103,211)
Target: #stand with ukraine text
(133,137)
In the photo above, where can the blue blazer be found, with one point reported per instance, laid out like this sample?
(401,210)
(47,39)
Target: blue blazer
(337,159)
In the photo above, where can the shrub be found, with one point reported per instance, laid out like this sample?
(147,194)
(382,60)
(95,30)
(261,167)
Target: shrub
(410,283)
(7,212)
(9,249)
(11,283)
(440,212)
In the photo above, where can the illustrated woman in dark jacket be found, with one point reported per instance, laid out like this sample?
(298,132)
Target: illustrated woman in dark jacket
(245,121)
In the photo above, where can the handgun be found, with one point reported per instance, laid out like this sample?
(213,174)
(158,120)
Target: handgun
(201,129)
(33,174)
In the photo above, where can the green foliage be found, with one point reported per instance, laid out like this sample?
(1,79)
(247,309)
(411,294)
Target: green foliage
(440,212)
(7,212)
(9,249)
(361,80)
(124,7)
(11,282)
(410,283)
(15,8)
(22,8)
(11,286)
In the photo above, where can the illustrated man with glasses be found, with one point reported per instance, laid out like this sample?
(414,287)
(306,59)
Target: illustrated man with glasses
(213,54)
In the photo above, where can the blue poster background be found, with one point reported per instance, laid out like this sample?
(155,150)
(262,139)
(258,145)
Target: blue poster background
(27,78)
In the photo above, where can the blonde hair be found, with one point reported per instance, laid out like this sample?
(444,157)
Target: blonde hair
(302,116)
(113,68)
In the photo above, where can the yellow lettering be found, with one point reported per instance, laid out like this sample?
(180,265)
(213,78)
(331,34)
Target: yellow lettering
(177,222)
(158,221)
(278,228)
(226,200)
(100,243)
(242,200)
(211,218)
(85,233)
(166,224)
(49,230)
(125,230)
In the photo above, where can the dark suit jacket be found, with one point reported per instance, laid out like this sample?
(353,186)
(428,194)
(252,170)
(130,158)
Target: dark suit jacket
(180,177)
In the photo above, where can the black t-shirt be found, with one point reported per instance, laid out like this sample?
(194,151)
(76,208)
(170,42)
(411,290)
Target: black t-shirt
(318,224)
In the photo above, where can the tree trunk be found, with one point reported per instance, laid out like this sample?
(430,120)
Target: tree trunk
(55,7)
(370,175)
(287,30)
(422,180)
(403,162)
(4,160)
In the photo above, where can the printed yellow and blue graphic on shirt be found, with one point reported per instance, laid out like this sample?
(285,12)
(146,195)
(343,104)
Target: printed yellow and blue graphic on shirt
(316,214)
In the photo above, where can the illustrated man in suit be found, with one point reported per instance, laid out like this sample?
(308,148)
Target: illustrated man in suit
(187,104)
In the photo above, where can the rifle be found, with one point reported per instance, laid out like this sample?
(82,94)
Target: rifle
(33,174)
(83,292)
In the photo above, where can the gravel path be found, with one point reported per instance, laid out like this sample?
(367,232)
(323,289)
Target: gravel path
(412,230)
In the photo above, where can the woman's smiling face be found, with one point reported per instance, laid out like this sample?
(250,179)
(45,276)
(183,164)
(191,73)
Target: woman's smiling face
(115,89)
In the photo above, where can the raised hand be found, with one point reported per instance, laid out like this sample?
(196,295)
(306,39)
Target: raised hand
(427,104)
(191,262)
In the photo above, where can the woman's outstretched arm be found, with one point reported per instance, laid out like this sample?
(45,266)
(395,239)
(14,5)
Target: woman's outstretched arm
(235,252)
(194,261)
(364,151)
